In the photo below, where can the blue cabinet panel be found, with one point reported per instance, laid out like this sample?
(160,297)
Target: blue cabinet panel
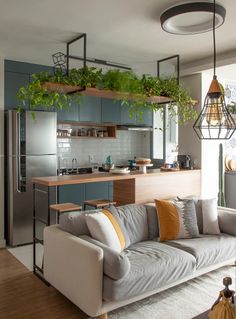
(146,118)
(125,116)
(97,190)
(90,109)
(72,194)
(13,81)
(23,67)
(111,111)
(69,114)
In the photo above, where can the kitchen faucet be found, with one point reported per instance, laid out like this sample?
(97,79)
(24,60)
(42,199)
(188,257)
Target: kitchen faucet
(74,164)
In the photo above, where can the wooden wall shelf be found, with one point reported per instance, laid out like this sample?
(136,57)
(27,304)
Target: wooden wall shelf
(74,127)
(108,94)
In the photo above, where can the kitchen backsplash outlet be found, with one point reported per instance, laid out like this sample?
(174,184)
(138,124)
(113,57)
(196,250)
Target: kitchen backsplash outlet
(127,145)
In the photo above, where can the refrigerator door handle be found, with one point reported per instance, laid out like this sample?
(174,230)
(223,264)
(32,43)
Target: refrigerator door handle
(18,152)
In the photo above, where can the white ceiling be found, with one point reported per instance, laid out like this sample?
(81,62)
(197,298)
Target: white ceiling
(126,31)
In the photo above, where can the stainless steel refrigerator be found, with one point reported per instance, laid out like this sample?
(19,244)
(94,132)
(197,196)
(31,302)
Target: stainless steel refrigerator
(31,150)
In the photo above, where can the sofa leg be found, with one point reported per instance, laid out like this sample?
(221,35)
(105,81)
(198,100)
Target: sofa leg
(103,316)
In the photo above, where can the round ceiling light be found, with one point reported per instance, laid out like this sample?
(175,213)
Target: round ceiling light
(192,18)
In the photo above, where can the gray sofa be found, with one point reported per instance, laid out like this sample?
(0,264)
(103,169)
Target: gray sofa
(98,279)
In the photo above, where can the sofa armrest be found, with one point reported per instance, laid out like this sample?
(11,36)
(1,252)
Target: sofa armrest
(227,220)
(74,267)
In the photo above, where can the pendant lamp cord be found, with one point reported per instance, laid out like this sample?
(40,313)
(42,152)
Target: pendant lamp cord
(214,37)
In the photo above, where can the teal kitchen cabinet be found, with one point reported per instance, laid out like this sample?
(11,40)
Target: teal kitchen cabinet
(111,111)
(72,194)
(125,116)
(90,109)
(146,119)
(70,113)
(98,190)
(13,81)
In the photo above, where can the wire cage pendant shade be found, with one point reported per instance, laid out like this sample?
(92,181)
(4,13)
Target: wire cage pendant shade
(215,121)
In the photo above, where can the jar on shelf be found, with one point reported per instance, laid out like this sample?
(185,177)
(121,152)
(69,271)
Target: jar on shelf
(83,132)
(94,132)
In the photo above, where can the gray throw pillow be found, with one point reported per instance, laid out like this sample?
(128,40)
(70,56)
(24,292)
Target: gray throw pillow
(115,265)
(153,224)
(75,223)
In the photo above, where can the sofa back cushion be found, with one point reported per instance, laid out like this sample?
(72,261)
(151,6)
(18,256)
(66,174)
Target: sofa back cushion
(74,223)
(133,219)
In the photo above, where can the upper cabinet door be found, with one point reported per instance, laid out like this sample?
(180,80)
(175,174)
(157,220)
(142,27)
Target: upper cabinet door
(13,82)
(90,109)
(125,116)
(145,119)
(111,111)
(70,113)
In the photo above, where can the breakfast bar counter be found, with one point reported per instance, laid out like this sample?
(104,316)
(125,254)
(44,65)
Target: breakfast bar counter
(135,187)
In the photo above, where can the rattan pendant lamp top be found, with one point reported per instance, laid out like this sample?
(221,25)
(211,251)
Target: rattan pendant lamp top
(215,121)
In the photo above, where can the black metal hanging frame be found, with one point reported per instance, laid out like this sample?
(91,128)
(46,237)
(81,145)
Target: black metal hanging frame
(85,59)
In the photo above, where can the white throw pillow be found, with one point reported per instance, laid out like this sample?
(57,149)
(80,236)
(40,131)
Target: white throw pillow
(210,216)
(101,229)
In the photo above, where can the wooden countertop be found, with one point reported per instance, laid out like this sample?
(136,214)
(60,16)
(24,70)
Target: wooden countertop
(101,177)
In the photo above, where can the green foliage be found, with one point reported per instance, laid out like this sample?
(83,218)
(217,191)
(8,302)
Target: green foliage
(232,107)
(115,80)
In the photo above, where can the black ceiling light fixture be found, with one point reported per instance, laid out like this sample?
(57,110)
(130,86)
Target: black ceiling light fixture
(192,18)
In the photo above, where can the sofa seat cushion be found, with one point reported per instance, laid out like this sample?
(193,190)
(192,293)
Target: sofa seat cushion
(208,249)
(152,265)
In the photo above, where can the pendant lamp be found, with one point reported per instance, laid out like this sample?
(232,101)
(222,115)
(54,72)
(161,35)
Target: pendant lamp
(215,121)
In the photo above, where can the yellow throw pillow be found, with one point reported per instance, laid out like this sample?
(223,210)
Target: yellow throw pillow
(177,219)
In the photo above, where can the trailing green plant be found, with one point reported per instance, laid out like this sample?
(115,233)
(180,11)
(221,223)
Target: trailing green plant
(122,81)
(232,107)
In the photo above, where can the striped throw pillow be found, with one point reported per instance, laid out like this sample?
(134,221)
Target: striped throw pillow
(177,219)
(104,228)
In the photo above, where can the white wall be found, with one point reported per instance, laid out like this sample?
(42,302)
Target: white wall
(205,153)
(2,240)
(189,143)
(127,145)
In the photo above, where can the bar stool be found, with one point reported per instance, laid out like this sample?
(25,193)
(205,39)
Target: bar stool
(63,208)
(98,203)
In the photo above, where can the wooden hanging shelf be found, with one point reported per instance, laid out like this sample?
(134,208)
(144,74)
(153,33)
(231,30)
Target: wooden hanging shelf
(108,94)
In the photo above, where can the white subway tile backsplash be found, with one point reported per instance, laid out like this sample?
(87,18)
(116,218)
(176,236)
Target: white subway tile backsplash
(127,145)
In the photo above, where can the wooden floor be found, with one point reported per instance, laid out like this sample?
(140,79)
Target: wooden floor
(24,296)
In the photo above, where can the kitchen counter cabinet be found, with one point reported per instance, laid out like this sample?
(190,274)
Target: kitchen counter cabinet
(77,194)
(72,194)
